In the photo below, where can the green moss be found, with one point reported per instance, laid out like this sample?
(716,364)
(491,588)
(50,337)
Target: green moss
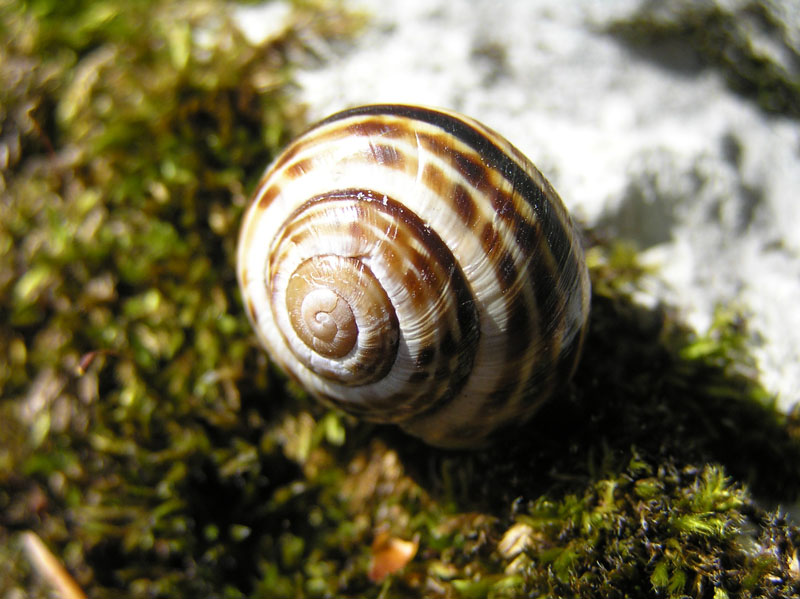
(145,438)
(689,540)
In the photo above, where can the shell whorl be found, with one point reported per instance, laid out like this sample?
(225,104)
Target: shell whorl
(409,265)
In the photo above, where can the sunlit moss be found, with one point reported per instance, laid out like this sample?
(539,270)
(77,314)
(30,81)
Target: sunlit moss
(688,538)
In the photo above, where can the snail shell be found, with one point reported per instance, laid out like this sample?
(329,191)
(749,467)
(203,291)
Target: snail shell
(409,265)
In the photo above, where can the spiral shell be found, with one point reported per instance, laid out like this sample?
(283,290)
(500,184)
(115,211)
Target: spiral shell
(409,265)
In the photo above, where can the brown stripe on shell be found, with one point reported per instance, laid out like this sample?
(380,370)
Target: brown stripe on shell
(520,319)
(464,205)
(489,238)
(504,207)
(388,155)
(374,128)
(507,272)
(525,232)
(356,231)
(251,309)
(298,169)
(425,356)
(288,154)
(472,169)
(435,179)
(265,194)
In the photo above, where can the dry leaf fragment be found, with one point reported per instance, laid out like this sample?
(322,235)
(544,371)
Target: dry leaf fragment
(389,555)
